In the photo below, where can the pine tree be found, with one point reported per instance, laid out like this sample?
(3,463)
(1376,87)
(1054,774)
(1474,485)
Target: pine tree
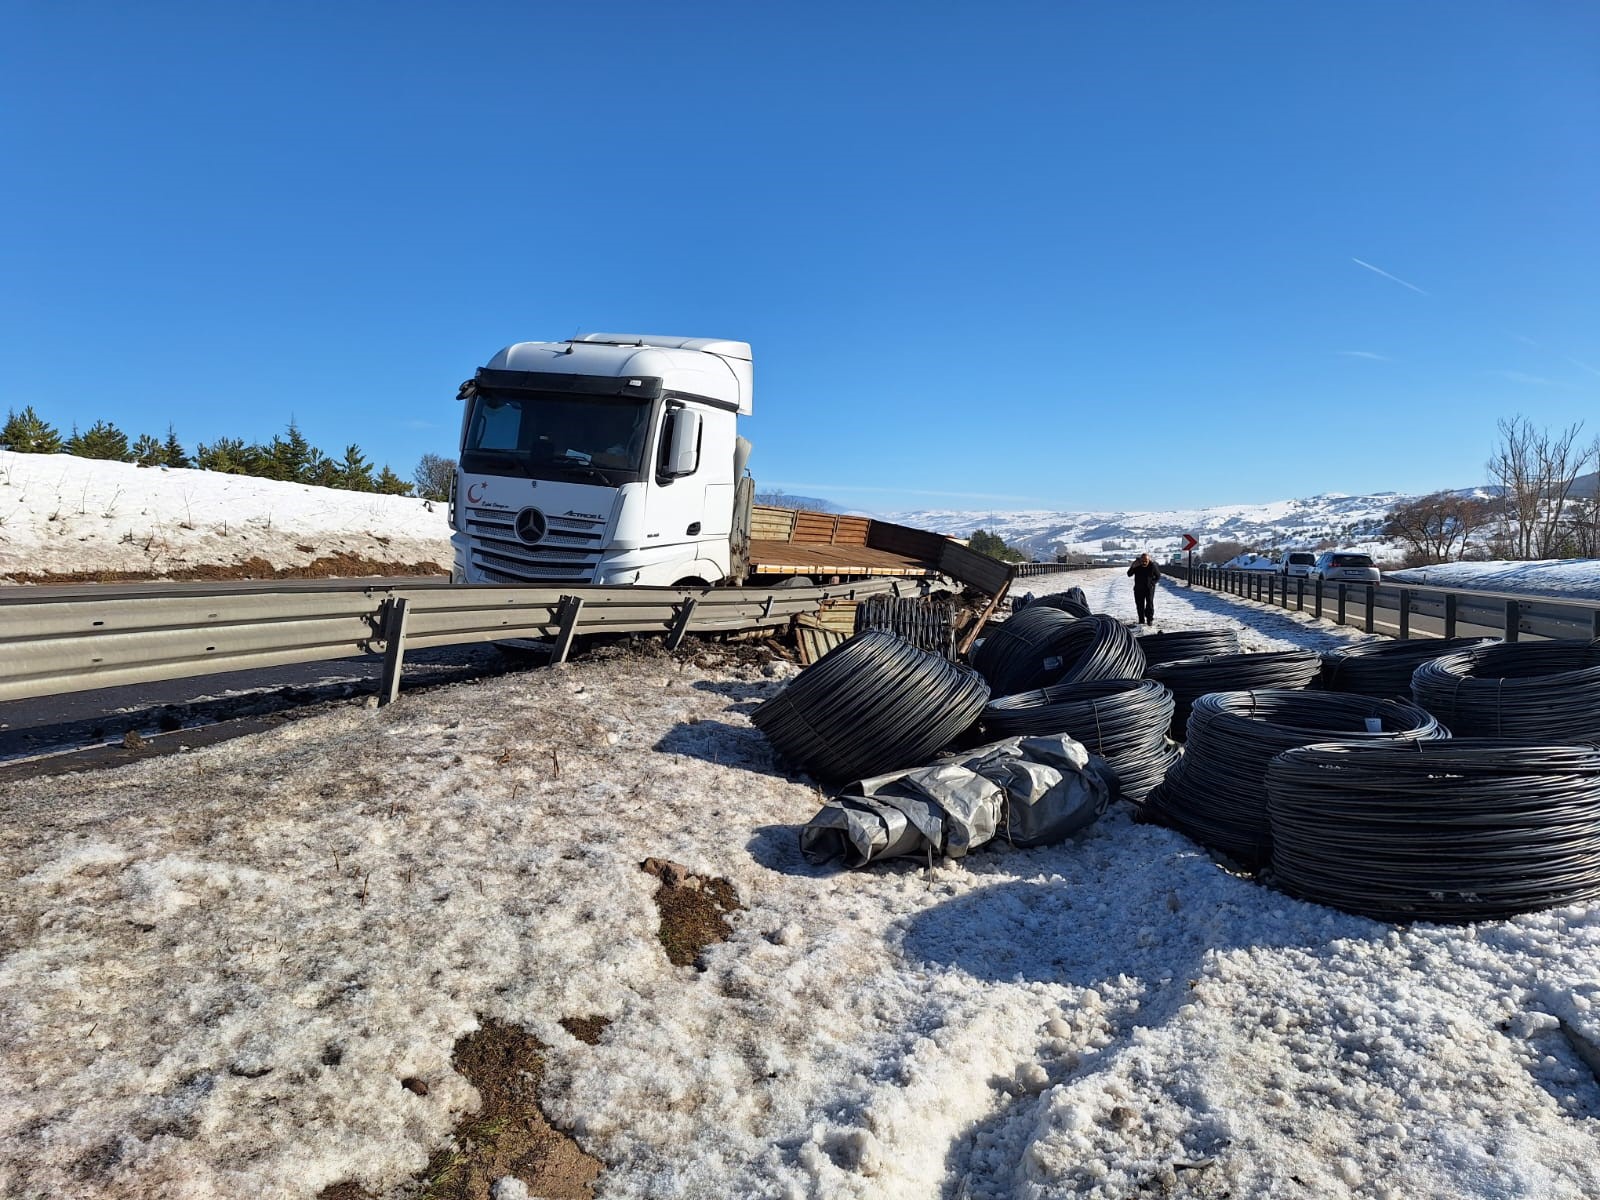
(321,470)
(26,432)
(172,451)
(287,456)
(390,484)
(226,455)
(355,472)
(103,440)
(147,452)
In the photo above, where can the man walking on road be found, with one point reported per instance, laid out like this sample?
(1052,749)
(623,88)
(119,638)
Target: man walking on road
(1145,573)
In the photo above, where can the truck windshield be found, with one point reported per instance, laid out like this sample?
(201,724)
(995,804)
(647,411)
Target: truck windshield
(557,435)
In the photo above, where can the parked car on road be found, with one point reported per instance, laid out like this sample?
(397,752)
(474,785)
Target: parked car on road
(1345,566)
(1297,563)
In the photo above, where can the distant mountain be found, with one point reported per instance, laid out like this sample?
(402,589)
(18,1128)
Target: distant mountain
(1349,520)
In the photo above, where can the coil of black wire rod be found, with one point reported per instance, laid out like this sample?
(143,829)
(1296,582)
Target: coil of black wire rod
(1385,668)
(1544,691)
(1463,830)
(1190,678)
(1065,602)
(1216,793)
(1187,643)
(872,704)
(1123,720)
(1040,646)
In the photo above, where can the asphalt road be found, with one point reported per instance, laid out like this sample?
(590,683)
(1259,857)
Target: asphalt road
(91,728)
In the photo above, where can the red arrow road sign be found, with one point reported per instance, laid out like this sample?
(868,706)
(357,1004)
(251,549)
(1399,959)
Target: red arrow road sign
(1190,541)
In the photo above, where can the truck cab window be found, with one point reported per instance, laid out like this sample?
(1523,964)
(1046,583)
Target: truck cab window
(557,435)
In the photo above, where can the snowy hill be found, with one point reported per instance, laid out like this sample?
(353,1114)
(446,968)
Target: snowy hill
(65,516)
(1352,521)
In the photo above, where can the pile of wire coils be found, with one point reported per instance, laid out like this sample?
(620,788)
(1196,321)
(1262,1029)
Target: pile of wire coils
(1216,793)
(1187,643)
(1541,691)
(872,704)
(1040,646)
(1385,668)
(1124,721)
(1459,830)
(1190,678)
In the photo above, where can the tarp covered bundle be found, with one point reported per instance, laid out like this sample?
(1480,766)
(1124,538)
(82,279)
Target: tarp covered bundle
(1031,790)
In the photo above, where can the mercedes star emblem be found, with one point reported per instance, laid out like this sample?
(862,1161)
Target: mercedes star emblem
(531,525)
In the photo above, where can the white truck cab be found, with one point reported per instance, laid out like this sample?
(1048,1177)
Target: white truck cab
(607,459)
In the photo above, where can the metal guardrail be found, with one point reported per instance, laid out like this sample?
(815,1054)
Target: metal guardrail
(1398,607)
(52,644)
(1025,570)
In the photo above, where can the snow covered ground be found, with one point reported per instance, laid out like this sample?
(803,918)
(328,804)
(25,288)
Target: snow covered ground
(64,514)
(216,968)
(1564,578)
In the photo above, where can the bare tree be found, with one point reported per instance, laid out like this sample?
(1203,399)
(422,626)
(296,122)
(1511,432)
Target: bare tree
(433,475)
(1536,470)
(1436,528)
(1583,513)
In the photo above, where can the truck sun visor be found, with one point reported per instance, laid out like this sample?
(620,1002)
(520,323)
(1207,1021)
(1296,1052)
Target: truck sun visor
(642,387)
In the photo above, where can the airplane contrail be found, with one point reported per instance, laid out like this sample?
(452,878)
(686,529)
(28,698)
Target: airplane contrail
(1386,275)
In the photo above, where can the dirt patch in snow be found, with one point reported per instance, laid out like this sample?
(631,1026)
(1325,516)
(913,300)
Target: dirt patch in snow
(693,909)
(339,565)
(587,1030)
(508,1135)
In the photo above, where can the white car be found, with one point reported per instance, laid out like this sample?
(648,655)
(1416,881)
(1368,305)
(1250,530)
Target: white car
(1345,566)
(1297,563)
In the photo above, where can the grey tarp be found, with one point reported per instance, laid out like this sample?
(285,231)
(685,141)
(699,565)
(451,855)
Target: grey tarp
(1030,790)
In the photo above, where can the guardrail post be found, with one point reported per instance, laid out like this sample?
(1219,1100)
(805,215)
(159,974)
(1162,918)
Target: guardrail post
(394,650)
(1343,588)
(1405,614)
(1372,599)
(1300,593)
(1316,599)
(1272,588)
(1513,619)
(567,614)
(1450,614)
(680,623)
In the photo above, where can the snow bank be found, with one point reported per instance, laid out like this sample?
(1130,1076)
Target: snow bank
(218,967)
(65,514)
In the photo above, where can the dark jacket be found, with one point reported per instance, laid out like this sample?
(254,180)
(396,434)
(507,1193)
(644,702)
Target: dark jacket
(1145,575)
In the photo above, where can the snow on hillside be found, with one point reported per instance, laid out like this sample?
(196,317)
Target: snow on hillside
(218,969)
(1564,578)
(1352,521)
(63,514)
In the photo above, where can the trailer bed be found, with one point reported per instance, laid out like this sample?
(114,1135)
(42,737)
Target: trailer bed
(811,558)
(794,541)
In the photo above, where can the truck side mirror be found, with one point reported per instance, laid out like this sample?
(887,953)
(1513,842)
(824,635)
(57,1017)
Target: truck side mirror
(682,455)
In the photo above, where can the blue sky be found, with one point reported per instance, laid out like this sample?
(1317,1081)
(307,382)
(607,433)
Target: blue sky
(1068,255)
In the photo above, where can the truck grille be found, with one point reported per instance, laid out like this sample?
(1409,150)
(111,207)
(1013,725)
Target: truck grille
(568,552)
